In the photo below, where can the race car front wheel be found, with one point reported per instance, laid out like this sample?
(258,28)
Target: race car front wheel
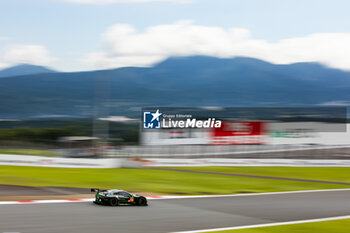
(113,202)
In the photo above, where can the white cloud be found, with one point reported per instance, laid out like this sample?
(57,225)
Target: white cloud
(127,1)
(31,54)
(3,65)
(123,45)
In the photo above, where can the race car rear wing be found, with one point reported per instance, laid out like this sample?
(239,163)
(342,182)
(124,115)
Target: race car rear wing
(97,190)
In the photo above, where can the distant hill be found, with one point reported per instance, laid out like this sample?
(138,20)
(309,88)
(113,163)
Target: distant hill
(179,81)
(24,69)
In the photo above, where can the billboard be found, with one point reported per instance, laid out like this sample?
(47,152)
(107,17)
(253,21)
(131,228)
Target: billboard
(239,133)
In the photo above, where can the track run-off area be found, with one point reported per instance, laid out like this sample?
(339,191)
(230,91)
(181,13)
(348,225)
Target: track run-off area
(174,213)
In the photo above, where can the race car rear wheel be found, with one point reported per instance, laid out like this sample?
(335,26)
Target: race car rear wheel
(113,202)
(142,201)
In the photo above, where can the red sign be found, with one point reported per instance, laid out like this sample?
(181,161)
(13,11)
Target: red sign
(239,133)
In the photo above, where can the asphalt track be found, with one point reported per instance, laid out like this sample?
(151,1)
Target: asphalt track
(171,215)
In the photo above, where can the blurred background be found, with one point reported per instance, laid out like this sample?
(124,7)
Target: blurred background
(76,76)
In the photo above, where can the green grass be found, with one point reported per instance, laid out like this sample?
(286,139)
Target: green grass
(157,181)
(338,174)
(36,152)
(338,226)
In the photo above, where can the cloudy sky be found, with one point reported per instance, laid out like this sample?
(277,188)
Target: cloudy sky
(71,35)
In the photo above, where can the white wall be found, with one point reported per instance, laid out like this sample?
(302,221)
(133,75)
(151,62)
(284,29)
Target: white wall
(313,137)
(310,135)
(38,161)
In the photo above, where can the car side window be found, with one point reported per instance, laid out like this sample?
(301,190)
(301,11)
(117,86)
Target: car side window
(124,194)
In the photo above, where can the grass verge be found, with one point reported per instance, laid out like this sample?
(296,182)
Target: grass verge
(338,226)
(36,152)
(147,180)
(337,174)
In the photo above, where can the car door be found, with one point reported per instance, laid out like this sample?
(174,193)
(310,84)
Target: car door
(124,196)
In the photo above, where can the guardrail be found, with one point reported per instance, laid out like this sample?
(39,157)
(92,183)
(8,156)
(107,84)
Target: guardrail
(224,151)
(246,162)
(37,161)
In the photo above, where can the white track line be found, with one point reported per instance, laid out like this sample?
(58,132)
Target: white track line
(173,197)
(254,194)
(268,224)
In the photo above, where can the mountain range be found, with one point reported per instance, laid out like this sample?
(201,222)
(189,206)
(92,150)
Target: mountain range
(177,81)
(24,69)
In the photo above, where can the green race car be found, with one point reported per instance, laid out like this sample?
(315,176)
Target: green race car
(115,197)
